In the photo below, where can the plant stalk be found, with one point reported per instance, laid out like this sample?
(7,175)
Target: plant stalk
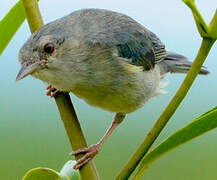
(213,26)
(63,101)
(74,132)
(169,111)
(201,24)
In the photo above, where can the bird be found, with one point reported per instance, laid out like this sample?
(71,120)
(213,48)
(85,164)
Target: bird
(105,58)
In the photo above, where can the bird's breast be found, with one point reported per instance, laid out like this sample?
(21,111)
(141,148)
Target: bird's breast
(121,94)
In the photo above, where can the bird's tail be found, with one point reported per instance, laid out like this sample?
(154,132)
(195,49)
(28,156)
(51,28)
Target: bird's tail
(176,63)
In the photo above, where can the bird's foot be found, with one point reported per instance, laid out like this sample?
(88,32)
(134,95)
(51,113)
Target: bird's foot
(51,91)
(89,153)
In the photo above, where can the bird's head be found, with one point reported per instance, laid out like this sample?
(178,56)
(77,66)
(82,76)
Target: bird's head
(43,49)
(57,54)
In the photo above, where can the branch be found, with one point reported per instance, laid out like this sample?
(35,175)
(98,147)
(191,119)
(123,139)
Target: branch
(213,26)
(63,101)
(201,24)
(206,45)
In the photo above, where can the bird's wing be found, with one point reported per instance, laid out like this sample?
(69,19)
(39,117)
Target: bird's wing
(159,48)
(138,46)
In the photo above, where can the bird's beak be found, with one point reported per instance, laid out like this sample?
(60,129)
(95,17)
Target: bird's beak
(28,69)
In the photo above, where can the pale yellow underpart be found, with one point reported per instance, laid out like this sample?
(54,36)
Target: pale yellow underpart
(127,92)
(127,97)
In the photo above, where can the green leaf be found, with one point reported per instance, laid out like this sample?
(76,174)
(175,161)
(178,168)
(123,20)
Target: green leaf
(10,24)
(197,127)
(40,173)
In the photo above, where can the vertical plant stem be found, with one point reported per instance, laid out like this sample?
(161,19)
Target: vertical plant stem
(33,14)
(74,132)
(63,101)
(169,111)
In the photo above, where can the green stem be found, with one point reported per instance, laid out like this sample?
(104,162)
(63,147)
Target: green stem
(63,101)
(33,14)
(169,111)
(201,24)
(213,26)
(74,132)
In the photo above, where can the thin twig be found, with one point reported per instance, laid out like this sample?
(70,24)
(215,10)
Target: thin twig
(63,101)
(213,26)
(201,24)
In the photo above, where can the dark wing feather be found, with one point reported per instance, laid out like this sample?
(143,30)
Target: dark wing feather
(159,48)
(134,42)
(138,50)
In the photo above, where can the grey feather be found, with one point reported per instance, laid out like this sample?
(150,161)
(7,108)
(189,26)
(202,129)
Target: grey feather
(159,48)
(176,63)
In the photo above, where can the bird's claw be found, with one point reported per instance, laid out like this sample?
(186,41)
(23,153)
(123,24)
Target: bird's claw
(89,153)
(51,91)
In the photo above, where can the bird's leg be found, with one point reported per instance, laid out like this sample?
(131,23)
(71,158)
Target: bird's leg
(91,151)
(51,91)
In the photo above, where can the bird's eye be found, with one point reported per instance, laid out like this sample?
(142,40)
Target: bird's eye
(49,48)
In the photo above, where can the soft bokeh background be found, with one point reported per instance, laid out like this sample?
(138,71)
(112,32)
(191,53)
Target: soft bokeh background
(32,134)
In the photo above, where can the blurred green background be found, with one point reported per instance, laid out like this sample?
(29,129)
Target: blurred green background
(32,134)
